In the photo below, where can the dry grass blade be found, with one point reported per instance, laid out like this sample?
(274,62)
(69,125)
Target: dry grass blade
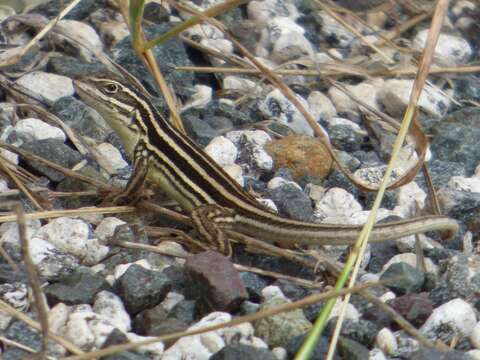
(403,323)
(40,215)
(360,246)
(146,55)
(354,31)
(12,56)
(312,299)
(16,344)
(64,171)
(36,200)
(288,93)
(33,280)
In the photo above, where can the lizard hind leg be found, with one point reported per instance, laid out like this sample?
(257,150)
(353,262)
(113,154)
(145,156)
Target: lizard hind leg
(209,221)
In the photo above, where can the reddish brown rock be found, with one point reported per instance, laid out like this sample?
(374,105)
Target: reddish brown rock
(302,155)
(217,280)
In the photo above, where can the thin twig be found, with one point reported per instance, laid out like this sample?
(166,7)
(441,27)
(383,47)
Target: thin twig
(39,299)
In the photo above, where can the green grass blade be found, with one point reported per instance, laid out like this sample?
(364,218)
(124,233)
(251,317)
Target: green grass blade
(135,11)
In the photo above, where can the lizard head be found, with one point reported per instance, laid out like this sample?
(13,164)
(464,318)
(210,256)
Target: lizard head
(118,103)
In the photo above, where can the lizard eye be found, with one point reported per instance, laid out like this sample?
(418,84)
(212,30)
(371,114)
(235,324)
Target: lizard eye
(111,88)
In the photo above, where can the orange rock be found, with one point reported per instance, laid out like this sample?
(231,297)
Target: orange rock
(302,155)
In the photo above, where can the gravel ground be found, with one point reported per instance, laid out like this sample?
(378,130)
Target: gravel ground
(100,294)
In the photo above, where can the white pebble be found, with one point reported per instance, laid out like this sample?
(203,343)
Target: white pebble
(155,349)
(112,155)
(457,313)
(321,107)
(473,354)
(386,341)
(83,33)
(336,202)
(277,106)
(73,237)
(200,98)
(236,173)
(110,306)
(107,227)
(395,95)
(410,259)
(47,86)
(451,50)
(36,129)
(475,336)
(241,85)
(254,137)
(462,183)
(222,150)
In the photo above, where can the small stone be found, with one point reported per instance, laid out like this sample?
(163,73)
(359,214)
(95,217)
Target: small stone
(277,106)
(112,156)
(410,197)
(411,259)
(456,314)
(350,349)
(320,349)
(202,346)
(451,50)
(431,353)
(292,202)
(81,118)
(402,278)
(236,173)
(261,12)
(277,330)
(15,295)
(50,261)
(254,284)
(461,183)
(291,46)
(217,280)
(475,336)
(155,349)
(302,155)
(107,227)
(140,288)
(35,129)
(83,33)
(361,331)
(111,307)
(242,352)
(386,341)
(345,135)
(241,85)
(112,32)
(376,354)
(222,150)
(336,202)
(473,354)
(335,32)
(395,95)
(199,99)
(250,144)
(79,287)
(55,151)
(47,87)
(415,308)
(321,107)
(73,237)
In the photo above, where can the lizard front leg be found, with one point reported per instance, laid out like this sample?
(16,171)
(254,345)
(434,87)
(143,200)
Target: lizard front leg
(134,189)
